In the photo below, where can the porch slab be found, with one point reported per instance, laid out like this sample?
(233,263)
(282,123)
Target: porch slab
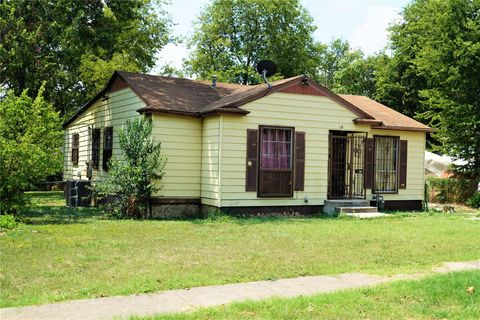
(355,209)
(368,215)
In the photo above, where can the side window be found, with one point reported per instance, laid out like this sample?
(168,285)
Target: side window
(75,147)
(386,165)
(95,148)
(107,147)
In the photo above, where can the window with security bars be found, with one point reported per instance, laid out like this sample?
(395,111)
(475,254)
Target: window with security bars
(386,165)
(276,162)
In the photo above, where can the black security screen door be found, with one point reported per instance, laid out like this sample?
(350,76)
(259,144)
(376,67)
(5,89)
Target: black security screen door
(346,165)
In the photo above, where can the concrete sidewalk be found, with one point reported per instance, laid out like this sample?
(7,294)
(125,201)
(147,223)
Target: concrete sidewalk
(190,299)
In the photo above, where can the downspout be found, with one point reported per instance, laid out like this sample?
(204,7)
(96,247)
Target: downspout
(220,147)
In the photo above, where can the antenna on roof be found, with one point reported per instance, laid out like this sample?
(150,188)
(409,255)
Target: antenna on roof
(266,68)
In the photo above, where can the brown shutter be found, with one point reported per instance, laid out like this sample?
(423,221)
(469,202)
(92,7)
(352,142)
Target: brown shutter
(107,147)
(96,147)
(299,161)
(75,147)
(252,160)
(369,156)
(402,172)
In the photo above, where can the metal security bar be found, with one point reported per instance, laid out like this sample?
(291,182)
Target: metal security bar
(346,166)
(386,164)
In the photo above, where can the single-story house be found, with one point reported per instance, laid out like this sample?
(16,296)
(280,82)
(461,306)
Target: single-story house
(289,146)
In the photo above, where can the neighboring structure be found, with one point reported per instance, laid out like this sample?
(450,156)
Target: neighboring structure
(254,148)
(440,165)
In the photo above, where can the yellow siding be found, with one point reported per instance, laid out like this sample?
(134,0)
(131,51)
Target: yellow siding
(415,165)
(315,116)
(206,157)
(121,106)
(181,139)
(211,137)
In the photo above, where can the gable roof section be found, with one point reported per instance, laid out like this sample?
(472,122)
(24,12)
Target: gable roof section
(385,117)
(199,98)
(239,98)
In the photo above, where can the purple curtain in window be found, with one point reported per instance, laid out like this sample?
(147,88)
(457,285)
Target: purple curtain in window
(276,148)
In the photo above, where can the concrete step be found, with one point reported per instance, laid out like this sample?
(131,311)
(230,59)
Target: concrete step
(361,209)
(330,205)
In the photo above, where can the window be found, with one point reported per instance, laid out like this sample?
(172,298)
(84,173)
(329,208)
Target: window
(276,167)
(386,165)
(95,148)
(107,147)
(75,145)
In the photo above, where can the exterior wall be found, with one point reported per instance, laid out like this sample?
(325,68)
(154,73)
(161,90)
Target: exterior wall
(314,115)
(181,139)
(415,165)
(211,139)
(120,106)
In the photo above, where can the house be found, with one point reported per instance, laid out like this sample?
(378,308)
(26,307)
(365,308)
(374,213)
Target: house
(290,146)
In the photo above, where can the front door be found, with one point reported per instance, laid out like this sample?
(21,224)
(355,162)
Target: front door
(346,159)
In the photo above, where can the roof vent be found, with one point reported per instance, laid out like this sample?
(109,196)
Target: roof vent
(214,81)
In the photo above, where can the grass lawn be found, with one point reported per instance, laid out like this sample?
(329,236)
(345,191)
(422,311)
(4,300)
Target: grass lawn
(52,257)
(437,297)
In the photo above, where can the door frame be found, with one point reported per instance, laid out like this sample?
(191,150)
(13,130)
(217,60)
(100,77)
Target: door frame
(352,164)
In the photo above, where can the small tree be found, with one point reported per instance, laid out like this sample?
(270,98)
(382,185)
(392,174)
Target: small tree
(130,184)
(30,146)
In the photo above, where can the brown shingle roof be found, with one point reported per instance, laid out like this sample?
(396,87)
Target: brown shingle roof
(388,118)
(174,94)
(199,98)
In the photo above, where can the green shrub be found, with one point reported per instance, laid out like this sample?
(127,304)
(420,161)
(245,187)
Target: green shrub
(130,183)
(7,221)
(451,190)
(474,201)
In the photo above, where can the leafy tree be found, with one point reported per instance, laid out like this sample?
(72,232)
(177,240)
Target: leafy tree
(437,60)
(130,182)
(30,140)
(60,41)
(232,35)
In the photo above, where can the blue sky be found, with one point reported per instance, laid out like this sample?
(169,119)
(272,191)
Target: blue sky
(363,23)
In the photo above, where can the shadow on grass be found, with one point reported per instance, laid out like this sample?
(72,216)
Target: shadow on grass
(244,220)
(60,215)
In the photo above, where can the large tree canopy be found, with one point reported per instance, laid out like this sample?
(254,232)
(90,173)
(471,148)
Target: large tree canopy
(346,70)
(435,73)
(73,44)
(232,35)
(30,138)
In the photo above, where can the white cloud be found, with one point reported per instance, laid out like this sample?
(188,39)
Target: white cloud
(371,35)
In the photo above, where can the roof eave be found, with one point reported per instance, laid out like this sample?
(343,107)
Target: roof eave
(232,111)
(372,122)
(400,128)
(168,111)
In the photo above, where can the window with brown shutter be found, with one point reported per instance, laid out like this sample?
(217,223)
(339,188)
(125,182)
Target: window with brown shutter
(402,170)
(299,161)
(276,162)
(75,147)
(107,147)
(95,148)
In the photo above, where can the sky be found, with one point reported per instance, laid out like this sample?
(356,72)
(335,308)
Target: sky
(363,23)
